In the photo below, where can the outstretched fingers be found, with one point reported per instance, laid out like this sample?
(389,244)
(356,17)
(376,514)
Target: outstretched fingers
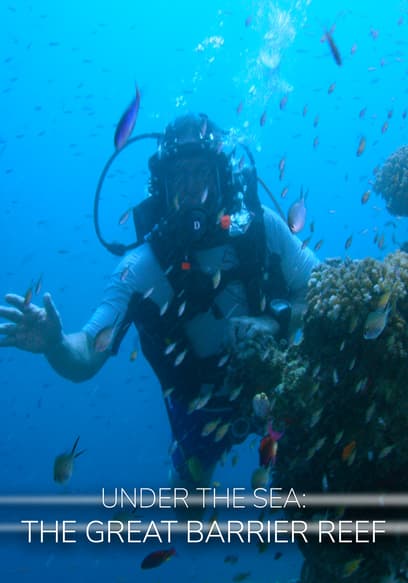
(51,310)
(11,314)
(16,301)
(8,329)
(10,338)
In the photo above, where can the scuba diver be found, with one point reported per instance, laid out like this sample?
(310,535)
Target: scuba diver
(210,260)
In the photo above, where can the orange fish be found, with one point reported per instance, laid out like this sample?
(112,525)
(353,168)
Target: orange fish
(365,197)
(28,296)
(374,33)
(157,558)
(268,447)
(318,245)
(348,450)
(361,146)
(282,163)
(283,102)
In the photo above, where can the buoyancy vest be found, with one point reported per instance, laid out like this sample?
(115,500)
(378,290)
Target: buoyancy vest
(162,335)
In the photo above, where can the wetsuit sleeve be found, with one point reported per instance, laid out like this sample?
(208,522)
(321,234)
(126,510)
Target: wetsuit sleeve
(126,280)
(296,263)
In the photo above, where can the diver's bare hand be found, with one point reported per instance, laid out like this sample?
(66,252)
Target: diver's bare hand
(30,328)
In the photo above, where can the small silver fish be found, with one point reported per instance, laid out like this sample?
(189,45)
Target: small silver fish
(148,293)
(210,427)
(169,269)
(223,360)
(202,400)
(221,431)
(169,349)
(180,358)
(370,412)
(319,444)
(168,392)
(316,370)
(163,309)
(235,393)
(216,279)
(192,406)
(361,385)
(316,417)
(204,195)
(385,451)
(124,217)
(181,309)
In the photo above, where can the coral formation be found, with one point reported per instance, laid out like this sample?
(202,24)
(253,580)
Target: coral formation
(392,182)
(342,402)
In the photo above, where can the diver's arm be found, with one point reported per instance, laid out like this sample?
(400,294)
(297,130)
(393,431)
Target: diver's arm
(74,357)
(39,330)
(296,263)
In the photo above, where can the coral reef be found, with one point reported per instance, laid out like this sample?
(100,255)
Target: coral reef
(392,182)
(342,402)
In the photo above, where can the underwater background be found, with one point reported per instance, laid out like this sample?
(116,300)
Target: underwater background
(68,70)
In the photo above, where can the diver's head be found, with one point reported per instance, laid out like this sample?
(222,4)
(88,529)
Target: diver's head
(191,174)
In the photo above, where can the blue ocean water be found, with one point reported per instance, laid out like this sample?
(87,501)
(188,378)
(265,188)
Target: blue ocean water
(68,70)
